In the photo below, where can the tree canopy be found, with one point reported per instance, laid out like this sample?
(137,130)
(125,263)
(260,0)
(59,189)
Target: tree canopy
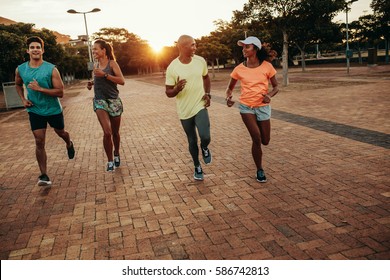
(13,47)
(289,27)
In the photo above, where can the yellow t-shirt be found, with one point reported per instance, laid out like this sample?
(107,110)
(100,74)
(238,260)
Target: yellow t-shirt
(189,101)
(254,82)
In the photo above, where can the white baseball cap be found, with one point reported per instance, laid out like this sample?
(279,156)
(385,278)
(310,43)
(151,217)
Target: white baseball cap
(250,40)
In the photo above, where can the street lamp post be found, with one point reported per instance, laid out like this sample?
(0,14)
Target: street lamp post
(90,63)
(347,52)
(387,45)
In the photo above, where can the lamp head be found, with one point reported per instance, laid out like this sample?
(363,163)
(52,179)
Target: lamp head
(350,2)
(71,11)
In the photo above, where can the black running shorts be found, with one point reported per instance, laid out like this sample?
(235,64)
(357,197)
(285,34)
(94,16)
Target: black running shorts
(40,122)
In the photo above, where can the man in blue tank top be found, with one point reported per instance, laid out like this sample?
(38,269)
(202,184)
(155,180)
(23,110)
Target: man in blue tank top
(44,88)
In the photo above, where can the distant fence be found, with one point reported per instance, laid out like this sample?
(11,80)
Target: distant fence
(337,57)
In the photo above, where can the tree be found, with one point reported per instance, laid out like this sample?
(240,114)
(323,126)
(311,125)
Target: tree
(382,13)
(364,32)
(13,47)
(167,54)
(313,24)
(368,31)
(212,50)
(275,15)
(133,54)
(74,65)
(228,33)
(301,22)
(113,35)
(136,55)
(356,36)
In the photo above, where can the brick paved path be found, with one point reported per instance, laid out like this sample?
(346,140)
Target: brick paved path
(327,196)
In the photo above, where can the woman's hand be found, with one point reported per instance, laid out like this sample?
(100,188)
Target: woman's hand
(89,85)
(229,96)
(98,72)
(229,101)
(266,98)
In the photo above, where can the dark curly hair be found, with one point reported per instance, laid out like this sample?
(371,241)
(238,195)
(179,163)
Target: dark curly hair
(35,39)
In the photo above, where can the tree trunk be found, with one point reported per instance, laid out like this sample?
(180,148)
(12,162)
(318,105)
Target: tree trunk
(285,58)
(212,68)
(303,61)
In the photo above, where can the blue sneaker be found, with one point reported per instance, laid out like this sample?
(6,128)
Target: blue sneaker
(198,174)
(206,156)
(260,176)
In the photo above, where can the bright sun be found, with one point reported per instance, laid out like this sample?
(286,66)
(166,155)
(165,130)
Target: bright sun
(156,46)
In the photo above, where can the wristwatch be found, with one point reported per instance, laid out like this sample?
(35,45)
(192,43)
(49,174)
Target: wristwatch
(208,94)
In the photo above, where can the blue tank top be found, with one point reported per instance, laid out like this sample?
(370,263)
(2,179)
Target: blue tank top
(43,104)
(105,89)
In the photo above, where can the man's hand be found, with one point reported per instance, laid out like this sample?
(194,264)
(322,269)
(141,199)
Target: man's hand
(34,85)
(180,84)
(207,99)
(27,103)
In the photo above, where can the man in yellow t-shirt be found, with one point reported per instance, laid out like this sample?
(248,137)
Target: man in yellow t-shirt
(187,79)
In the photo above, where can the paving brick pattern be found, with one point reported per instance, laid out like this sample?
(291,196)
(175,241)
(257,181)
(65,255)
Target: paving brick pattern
(327,196)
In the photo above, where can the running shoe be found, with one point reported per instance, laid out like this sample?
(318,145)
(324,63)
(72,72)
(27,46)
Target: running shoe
(117,161)
(260,176)
(206,156)
(198,174)
(44,180)
(110,166)
(71,150)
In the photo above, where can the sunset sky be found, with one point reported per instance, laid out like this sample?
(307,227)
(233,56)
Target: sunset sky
(159,22)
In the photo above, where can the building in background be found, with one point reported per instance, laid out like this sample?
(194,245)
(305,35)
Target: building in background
(60,38)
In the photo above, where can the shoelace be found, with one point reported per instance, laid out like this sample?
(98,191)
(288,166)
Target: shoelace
(206,152)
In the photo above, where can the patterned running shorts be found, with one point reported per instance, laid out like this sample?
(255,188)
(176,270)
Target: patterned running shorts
(113,107)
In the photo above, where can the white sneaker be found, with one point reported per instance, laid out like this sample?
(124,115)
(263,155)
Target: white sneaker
(117,161)
(110,166)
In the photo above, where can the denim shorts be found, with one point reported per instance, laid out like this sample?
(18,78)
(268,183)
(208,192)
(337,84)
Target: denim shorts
(263,113)
(113,107)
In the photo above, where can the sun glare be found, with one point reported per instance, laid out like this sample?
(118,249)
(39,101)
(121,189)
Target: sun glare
(156,46)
